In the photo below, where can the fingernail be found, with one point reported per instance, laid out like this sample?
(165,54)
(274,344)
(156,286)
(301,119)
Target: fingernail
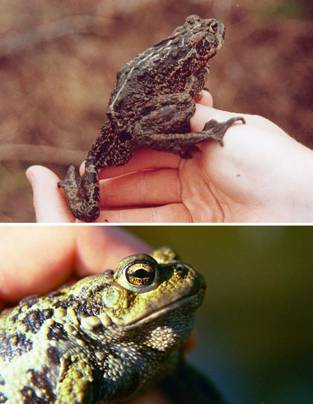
(30,175)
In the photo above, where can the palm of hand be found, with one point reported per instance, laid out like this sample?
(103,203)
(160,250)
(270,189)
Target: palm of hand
(252,178)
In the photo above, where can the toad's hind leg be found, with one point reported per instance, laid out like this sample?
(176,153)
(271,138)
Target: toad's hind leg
(184,144)
(82,193)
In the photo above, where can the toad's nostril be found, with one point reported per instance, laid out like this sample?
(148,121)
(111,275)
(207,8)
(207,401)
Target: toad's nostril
(181,269)
(214,27)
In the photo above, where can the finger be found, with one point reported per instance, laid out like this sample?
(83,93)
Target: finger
(175,213)
(100,248)
(205,99)
(143,159)
(34,259)
(39,259)
(203,114)
(49,204)
(191,342)
(141,189)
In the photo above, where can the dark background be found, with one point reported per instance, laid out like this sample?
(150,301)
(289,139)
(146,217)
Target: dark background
(255,327)
(58,61)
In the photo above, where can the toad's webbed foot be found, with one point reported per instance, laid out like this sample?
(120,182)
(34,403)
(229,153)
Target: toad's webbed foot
(82,193)
(216,130)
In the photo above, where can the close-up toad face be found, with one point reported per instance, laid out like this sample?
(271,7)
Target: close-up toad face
(115,332)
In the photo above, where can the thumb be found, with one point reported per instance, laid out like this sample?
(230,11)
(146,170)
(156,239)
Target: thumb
(49,204)
(204,113)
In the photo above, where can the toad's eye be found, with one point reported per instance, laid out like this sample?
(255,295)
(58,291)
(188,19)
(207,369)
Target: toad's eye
(193,19)
(140,274)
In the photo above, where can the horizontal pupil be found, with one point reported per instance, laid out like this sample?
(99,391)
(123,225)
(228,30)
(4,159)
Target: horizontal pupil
(141,273)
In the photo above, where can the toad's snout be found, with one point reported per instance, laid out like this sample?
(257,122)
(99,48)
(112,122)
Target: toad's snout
(216,28)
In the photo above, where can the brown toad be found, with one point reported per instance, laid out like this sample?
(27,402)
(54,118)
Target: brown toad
(103,338)
(151,106)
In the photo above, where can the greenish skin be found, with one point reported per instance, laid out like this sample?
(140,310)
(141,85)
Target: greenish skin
(104,338)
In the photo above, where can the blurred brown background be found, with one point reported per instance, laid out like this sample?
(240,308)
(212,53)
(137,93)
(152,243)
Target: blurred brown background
(58,62)
(255,326)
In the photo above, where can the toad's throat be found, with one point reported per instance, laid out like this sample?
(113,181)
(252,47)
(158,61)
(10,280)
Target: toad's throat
(193,300)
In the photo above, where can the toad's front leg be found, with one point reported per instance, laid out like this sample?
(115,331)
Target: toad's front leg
(184,144)
(167,126)
(76,382)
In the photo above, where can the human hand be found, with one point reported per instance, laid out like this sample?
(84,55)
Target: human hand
(40,259)
(253,178)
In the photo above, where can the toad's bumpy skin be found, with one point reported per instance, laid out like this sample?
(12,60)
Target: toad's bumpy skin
(103,338)
(151,106)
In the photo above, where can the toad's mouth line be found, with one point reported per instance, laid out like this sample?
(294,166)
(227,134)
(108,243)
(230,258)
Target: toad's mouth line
(159,312)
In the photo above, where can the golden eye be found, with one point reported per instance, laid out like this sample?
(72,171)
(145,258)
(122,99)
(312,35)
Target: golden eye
(140,274)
